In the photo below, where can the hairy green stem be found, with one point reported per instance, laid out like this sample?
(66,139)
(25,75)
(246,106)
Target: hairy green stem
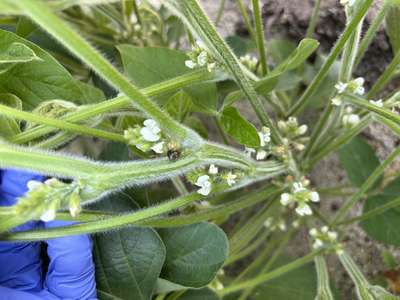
(324,290)
(260,37)
(314,19)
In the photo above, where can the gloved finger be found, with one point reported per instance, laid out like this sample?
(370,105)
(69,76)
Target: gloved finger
(71,269)
(21,266)
(12,294)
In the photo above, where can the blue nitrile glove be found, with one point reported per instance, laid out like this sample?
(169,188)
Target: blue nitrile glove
(70,272)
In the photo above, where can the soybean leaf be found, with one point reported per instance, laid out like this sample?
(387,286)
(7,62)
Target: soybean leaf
(197,125)
(8,126)
(39,80)
(179,105)
(240,45)
(299,284)
(147,66)
(128,263)
(25,27)
(385,226)
(392,25)
(305,48)
(16,53)
(201,294)
(239,128)
(359,161)
(165,286)
(195,253)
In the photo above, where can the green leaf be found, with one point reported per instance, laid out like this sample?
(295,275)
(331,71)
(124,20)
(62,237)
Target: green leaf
(385,226)
(147,66)
(179,105)
(195,253)
(299,284)
(201,294)
(165,286)
(128,263)
(37,80)
(8,126)
(25,27)
(16,53)
(359,161)
(392,25)
(239,128)
(241,45)
(197,125)
(305,48)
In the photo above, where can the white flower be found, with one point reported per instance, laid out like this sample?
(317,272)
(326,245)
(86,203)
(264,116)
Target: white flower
(303,210)
(265,136)
(249,151)
(48,215)
(318,244)
(190,64)
(282,225)
(347,2)
(231,178)
(313,232)
(332,235)
(324,229)
(33,184)
(158,148)
(151,131)
(261,154)
(298,187)
(268,222)
(202,58)
(351,119)
(336,101)
(341,87)
(211,67)
(200,44)
(359,89)
(302,129)
(205,185)
(378,103)
(213,169)
(285,199)
(314,196)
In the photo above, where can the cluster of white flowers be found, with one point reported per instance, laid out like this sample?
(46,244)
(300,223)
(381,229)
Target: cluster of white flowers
(274,224)
(147,137)
(249,62)
(355,86)
(205,181)
(291,127)
(200,57)
(265,139)
(348,2)
(300,196)
(324,238)
(349,118)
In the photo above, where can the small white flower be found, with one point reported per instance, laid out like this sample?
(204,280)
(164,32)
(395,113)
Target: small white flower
(158,148)
(211,67)
(359,90)
(261,154)
(336,101)
(282,225)
(318,244)
(296,224)
(268,222)
(151,131)
(313,232)
(303,210)
(190,64)
(298,187)
(314,196)
(48,215)
(33,184)
(205,185)
(378,103)
(213,169)
(231,178)
(285,199)
(200,44)
(341,87)
(324,229)
(351,119)
(249,151)
(265,136)
(202,58)
(205,203)
(332,235)
(347,2)
(302,129)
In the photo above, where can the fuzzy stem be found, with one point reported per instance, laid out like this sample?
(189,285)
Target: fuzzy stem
(260,38)
(324,290)
(314,19)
